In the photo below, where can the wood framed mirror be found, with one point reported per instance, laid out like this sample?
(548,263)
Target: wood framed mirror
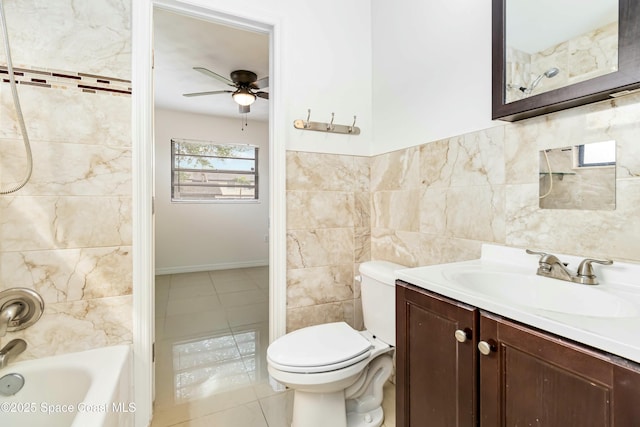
(537,85)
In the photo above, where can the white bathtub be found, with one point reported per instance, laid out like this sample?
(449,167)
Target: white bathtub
(86,389)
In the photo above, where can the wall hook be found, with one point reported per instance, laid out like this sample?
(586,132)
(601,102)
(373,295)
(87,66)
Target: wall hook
(307,124)
(326,127)
(330,125)
(353,125)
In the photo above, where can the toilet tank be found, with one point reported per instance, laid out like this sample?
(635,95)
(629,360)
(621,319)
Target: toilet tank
(378,293)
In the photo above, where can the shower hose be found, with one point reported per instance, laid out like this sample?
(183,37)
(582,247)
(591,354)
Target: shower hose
(16,104)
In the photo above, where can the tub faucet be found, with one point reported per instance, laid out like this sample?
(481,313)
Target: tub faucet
(550,266)
(7,315)
(11,350)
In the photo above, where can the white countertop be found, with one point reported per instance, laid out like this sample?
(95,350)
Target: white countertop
(617,335)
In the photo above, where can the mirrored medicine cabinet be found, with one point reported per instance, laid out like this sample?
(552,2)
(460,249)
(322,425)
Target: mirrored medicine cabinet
(549,55)
(579,177)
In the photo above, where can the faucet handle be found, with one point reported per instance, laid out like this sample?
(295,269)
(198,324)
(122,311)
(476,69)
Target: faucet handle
(585,269)
(530,252)
(546,260)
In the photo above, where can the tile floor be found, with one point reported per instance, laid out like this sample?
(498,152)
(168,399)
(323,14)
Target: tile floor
(211,340)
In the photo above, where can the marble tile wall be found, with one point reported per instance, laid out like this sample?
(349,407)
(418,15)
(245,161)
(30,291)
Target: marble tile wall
(440,201)
(67,234)
(328,223)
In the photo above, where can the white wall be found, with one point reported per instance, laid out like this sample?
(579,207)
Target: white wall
(204,236)
(431,70)
(325,66)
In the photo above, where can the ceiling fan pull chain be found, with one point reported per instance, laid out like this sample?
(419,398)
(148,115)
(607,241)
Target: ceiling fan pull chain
(243,120)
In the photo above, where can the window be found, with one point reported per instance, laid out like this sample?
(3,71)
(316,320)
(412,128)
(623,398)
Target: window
(208,172)
(597,154)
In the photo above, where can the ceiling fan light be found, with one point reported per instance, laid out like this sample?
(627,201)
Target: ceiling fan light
(243,97)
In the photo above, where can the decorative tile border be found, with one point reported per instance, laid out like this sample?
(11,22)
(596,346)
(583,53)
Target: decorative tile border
(90,83)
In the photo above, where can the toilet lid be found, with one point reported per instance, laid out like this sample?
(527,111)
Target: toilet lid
(319,348)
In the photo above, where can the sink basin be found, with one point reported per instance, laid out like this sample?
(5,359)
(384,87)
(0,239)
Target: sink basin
(542,293)
(503,282)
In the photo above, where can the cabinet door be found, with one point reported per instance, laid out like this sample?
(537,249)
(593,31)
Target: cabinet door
(436,376)
(531,378)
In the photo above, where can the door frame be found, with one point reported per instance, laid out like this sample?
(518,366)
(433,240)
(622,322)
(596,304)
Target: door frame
(142,174)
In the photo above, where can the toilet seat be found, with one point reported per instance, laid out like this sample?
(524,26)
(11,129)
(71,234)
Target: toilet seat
(320,348)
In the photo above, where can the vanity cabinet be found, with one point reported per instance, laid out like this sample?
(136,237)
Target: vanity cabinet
(527,378)
(436,375)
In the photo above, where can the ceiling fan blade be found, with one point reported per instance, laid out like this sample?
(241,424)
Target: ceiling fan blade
(213,92)
(262,83)
(263,95)
(214,75)
(243,109)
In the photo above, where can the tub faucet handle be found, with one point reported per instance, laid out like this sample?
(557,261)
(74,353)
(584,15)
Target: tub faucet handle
(19,309)
(7,315)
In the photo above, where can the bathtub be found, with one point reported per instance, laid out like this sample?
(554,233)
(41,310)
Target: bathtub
(86,389)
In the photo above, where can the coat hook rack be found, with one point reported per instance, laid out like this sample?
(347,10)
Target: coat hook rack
(326,127)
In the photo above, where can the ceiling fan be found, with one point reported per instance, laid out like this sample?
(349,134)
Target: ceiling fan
(246,83)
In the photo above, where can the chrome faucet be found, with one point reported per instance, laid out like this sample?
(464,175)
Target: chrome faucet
(11,350)
(550,266)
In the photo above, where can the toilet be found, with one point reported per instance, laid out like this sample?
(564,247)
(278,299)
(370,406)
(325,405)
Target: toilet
(337,373)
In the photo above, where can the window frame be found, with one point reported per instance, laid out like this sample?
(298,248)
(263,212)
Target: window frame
(212,199)
(581,164)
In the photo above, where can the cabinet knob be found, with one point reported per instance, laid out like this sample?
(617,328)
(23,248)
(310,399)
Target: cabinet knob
(486,347)
(462,335)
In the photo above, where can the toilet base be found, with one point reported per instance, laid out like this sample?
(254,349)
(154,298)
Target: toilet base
(319,409)
(373,418)
(329,409)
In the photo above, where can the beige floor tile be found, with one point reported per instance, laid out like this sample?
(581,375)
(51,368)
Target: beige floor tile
(258,273)
(162,291)
(193,305)
(232,274)
(169,415)
(248,415)
(248,314)
(235,285)
(163,281)
(278,409)
(159,328)
(236,299)
(212,333)
(195,324)
(191,279)
(181,292)
(263,389)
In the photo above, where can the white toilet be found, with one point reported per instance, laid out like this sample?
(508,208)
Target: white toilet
(336,372)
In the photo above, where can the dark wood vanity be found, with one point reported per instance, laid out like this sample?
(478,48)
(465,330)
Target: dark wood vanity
(528,378)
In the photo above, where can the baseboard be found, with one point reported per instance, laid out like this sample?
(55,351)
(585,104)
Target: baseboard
(210,267)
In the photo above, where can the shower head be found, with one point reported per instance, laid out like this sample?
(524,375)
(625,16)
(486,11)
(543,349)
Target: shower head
(551,72)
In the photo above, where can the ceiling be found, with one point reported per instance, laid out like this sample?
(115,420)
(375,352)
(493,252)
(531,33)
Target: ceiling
(182,42)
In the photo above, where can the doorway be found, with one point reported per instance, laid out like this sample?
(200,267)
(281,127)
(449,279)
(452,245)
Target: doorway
(142,116)
(211,222)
